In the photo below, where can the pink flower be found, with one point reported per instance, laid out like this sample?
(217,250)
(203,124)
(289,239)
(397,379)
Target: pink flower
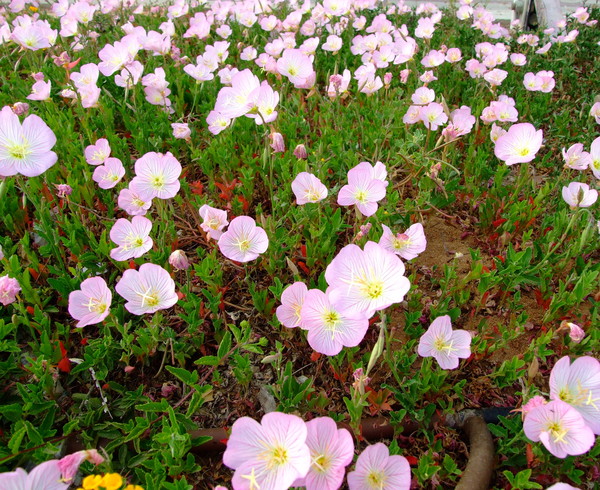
(9,288)
(594,112)
(217,122)
(40,90)
(109,174)
(578,195)
(532,82)
(560,428)
(595,156)
(295,65)
(239,99)
(25,148)
(243,241)
(157,175)
(148,290)
(532,403)
(365,281)
(308,188)
(300,152)
(362,190)
(407,245)
(181,131)
(270,455)
(331,450)
(329,327)
(70,464)
(576,158)
(292,299)
(132,203)
(377,470)
(576,333)
(46,475)
(447,346)
(132,238)
(178,260)
(91,303)
(518,59)
(578,384)
(97,153)
(277,142)
(214,221)
(423,96)
(433,115)
(520,144)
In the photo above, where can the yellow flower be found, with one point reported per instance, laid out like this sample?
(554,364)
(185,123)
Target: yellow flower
(133,487)
(92,482)
(112,481)
(33,9)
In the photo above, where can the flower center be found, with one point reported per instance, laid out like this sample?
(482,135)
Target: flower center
(441,344)
(243,245)
(361,196)
(322,463)
(96,306)
(158,182)
(401,241)
(279,456)
(556,431)
(150,297)
(376,479)
(374,289)
(19,151)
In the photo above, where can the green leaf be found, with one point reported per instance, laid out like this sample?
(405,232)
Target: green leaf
(183,375)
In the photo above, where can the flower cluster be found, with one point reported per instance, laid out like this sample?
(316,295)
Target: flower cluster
(282,451)
(567,424)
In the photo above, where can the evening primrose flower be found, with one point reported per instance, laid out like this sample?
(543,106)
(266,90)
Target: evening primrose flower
(91,303)
(148,290)
(269,455)
(132,238)
(308,188)
(214,221)
(560,428)
(377,470)
(46,475)
(132,203)
(329,327)
(9,288)
(243,241)
(579,195)
(110,174)
(331,450)
(520,144)
(25,148)
(157,175)
(595,157)
(576,158)
(407,245)
(97,153)
(578,384)
(362,190)
(365,281)
(292,299)
(447,346)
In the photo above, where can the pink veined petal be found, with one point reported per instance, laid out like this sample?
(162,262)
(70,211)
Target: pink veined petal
(446,360)
(346,196)
(246,442)
(367,209)
(14,480)
(461,341)
(441,327)
(324,342)
(46,476)
(397,471)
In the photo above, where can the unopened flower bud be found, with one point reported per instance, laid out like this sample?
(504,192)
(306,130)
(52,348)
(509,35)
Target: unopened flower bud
(387,78)
(277,142)
(300,152)
(20,108)
(179,260)
(404,75)
(64,190)
(575,331)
